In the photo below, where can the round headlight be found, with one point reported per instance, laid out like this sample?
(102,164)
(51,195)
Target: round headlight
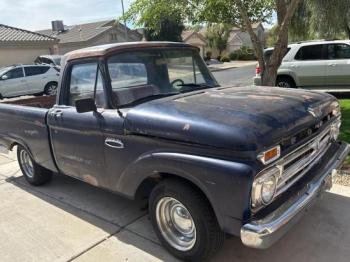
(265,187)
(268,189)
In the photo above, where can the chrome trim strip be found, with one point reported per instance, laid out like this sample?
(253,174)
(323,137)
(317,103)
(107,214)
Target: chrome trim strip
(264,232)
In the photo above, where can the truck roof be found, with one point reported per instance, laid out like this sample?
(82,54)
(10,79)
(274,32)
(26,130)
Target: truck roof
(102,50)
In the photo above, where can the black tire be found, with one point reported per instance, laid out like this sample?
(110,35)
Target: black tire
(51,89)
(285,82)
(209,237)
(32,172)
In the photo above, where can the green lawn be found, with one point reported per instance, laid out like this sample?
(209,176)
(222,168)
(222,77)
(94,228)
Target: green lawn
(345,129)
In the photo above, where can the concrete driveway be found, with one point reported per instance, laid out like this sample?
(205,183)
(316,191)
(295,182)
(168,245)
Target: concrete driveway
(68,220)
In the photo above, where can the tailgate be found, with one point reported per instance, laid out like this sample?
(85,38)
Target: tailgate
(26,126)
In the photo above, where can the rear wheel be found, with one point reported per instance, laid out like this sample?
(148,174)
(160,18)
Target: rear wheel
(285,82)
(51,89)
(33,173)
(184,221)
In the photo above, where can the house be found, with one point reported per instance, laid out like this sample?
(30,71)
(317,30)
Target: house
(90,34)
(19,46)
(239,38)
(195,38)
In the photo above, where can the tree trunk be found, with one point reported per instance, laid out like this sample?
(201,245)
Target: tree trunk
(347,29)
(284,16)
(257,45)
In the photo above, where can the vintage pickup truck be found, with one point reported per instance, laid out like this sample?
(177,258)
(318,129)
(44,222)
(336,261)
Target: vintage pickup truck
(148,120)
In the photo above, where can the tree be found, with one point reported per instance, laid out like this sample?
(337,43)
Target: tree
(170,30)
(162,20)
(322,19)
(217,36)
(241,13)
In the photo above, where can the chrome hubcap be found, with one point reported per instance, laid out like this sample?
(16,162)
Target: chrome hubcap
(176,224)
(27,164)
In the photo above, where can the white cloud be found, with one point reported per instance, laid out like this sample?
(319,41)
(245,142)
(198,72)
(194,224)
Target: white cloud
(38,14)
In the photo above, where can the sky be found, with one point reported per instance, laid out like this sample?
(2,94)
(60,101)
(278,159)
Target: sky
(38,14)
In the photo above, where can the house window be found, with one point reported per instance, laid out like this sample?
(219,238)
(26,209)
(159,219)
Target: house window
(114,36)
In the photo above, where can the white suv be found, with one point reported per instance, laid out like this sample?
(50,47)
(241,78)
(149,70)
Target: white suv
(317,65)
(28,80)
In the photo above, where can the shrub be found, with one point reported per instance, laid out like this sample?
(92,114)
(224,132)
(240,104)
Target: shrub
(219,58)
(225,59)
(208,55)
(233,56)
(244,53)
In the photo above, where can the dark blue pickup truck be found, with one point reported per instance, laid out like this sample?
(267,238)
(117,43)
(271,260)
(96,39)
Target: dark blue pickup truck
(148,120)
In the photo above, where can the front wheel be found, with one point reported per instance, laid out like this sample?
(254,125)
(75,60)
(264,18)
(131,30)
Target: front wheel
(184,221)
(32,172)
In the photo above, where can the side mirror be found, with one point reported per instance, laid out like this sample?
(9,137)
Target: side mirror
(85,105)
(4,77)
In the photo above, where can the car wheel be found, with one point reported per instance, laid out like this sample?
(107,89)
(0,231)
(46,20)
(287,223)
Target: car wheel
(184,221)
(51,89)
(33,173)
(285,82)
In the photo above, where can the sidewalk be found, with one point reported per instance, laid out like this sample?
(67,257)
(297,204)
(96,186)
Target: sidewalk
(68,220)
(230,65)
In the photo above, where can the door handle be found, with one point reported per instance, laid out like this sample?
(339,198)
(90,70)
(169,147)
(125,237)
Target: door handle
(114,143)
(57,114)
(294,66)
(332,65)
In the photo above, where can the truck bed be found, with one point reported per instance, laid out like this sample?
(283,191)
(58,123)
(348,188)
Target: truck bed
(24,121)
(40,101)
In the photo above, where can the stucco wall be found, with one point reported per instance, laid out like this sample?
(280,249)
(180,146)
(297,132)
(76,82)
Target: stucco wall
(196,41)
(19,55)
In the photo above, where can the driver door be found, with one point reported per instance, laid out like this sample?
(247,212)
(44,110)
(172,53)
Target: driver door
(77,138)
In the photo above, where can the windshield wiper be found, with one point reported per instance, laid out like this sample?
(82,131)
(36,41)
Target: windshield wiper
(150,97)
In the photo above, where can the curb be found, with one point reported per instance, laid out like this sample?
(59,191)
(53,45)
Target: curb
(221,69)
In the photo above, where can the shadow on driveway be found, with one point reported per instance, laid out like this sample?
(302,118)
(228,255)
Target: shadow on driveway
(323,234)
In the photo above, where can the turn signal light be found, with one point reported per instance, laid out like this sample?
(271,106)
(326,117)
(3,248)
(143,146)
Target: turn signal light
(270,155)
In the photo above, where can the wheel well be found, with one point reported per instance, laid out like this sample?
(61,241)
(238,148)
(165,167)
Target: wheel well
(51,82)
(1,97)
(286,76)
(147,185)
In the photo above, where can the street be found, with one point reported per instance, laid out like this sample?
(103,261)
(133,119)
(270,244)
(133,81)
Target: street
(237,76)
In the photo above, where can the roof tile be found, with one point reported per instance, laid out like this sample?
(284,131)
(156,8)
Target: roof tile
(13,34)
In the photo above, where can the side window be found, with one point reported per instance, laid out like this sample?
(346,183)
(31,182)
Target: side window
(86,82)
(36,70)
(15,73)
(312,52)
(338,51)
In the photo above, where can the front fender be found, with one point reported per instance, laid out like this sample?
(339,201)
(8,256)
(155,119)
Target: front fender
(226,184)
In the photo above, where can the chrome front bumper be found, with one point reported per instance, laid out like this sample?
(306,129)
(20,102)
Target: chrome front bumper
(264,232)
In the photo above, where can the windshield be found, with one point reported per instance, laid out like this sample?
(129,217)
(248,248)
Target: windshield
(152,74)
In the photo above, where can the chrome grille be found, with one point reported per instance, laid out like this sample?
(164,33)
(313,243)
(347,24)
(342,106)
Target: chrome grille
(301,160)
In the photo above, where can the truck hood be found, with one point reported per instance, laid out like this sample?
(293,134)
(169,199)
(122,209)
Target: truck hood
(236,118)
